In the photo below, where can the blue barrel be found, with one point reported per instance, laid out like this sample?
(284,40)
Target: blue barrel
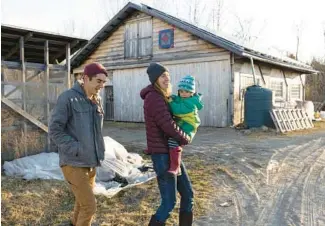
(258,103)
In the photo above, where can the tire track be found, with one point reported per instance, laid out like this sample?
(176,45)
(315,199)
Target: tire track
(311,198)
(284,205)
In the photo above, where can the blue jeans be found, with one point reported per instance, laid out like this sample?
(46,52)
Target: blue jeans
(168,185)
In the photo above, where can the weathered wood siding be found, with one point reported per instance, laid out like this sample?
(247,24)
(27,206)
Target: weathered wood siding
(212,80)
(186,45)
(190,55)
(243,76)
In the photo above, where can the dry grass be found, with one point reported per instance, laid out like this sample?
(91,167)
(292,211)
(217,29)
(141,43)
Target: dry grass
(258,134)
(318,126)
(49,202)
(13,142)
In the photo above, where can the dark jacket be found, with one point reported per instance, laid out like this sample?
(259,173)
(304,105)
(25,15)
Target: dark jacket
(76,128)
(159,123)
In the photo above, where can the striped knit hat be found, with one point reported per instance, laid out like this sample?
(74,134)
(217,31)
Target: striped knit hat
(187,83)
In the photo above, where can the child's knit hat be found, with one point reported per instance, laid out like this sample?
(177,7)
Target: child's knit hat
(187,83)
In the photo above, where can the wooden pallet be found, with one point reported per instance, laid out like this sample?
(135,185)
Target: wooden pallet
(287,120)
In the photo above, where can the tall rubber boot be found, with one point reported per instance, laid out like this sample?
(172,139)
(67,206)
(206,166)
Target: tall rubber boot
(185,219)
(175,160)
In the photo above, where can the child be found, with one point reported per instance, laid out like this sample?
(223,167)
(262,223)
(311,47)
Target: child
(184,108)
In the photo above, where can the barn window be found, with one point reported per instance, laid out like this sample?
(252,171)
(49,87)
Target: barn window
(248,80)
(277,88)
(295,91)
(138,39)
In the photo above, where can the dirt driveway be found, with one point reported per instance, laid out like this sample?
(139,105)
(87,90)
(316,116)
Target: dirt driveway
(267,180)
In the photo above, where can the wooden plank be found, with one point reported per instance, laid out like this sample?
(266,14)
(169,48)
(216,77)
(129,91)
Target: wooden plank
(18,45)
(28,79)
(47,78)
(33,101)
(163,58)
(39,47)
(21,84)
(24,94)
(23,113)
(17,65)
(16,127)
(47,87)
(72,44)
(55,42)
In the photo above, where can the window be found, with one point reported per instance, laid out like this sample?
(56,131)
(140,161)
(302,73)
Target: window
(246,81)
(277,88)
(295,92)
(138,39)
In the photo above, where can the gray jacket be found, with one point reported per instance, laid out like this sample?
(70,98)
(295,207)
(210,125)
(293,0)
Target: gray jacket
(76,128)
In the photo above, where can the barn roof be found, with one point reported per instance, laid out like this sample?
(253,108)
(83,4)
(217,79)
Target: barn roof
(225,43)
(34,44)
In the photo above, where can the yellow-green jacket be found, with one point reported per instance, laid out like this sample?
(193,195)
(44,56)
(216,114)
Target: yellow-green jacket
(185,111)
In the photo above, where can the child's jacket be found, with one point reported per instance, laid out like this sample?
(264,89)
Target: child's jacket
(185,111)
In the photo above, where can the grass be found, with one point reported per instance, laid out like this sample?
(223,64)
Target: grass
(50,202)
(318,126)
(258,134)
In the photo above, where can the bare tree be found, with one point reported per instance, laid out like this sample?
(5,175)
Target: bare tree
(111,7)
(73,27)
(245,32)
(216,15)
(195,9)
(299,29)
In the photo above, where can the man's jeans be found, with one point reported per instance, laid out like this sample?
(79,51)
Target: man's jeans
(168,185)
(82,181)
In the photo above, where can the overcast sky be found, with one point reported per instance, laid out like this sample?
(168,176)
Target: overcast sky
(271,25)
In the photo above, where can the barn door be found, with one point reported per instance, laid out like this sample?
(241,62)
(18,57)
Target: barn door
(109,103)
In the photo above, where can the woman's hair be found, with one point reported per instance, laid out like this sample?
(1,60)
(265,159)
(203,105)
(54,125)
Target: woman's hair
(164,93)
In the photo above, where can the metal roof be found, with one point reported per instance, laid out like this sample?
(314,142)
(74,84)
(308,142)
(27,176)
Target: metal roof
(225,43)
(34,44)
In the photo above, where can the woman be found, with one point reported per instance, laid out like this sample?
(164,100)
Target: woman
(159,127)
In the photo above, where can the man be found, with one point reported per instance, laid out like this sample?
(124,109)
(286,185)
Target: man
(75,127)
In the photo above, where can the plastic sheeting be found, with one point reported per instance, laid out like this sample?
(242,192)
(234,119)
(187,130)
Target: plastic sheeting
(117,162)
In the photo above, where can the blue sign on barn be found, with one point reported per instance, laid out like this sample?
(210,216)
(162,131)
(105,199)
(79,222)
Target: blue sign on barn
(166,39)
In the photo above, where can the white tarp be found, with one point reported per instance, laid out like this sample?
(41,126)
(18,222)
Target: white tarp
(117,161)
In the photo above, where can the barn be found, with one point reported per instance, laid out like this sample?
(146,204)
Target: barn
(140,34)
(32,78)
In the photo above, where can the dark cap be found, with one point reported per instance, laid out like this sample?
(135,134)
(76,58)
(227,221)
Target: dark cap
(93,69)
(154,71)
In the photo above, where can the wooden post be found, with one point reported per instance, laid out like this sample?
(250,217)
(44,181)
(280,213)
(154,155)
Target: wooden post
(23,69)
(68,65)
(47,87)
(287,85)
(303,87)
(253,70)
